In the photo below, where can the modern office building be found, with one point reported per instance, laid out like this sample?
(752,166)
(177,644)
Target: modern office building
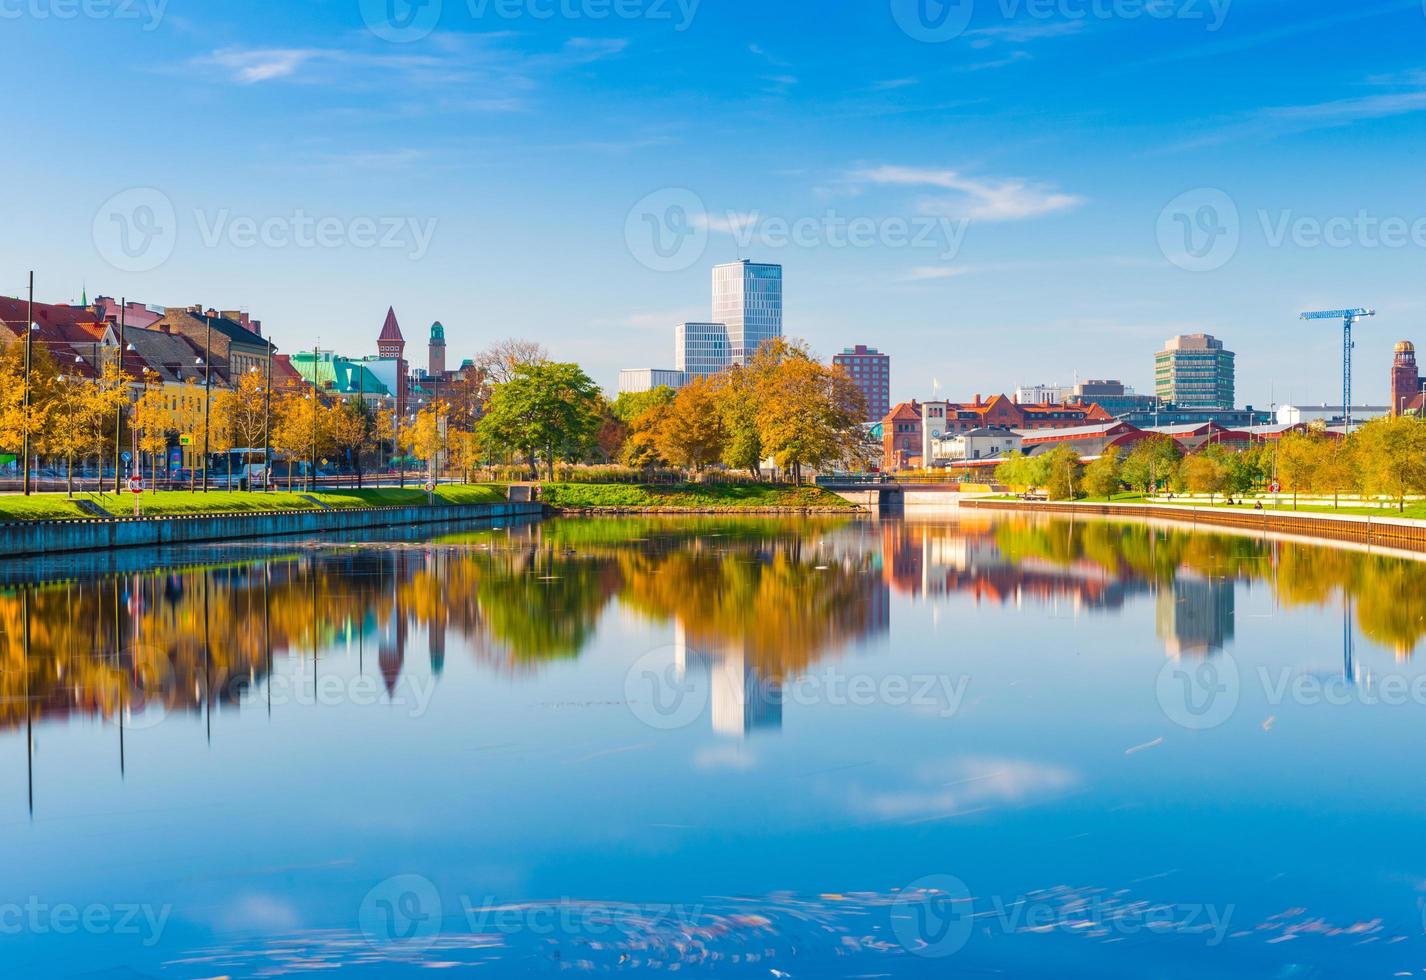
(701,349)
(870,370)
(747,296)
(1114,397)
(1195,371)
(634,381)
(1041,395)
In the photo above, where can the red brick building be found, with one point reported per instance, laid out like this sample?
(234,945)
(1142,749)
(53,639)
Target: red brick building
(1406,395)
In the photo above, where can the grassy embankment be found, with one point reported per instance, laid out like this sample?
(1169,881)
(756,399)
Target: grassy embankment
(1415,510)
(57,506)
(690,496)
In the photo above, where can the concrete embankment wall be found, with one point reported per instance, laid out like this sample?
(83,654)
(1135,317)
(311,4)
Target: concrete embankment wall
(27,538)
(1407,535)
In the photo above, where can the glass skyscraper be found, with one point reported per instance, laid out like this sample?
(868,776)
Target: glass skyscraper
(701,349)
(747,297)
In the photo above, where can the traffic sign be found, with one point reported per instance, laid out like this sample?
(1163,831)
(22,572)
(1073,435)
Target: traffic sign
(125,457)
(185,440)
(136,485)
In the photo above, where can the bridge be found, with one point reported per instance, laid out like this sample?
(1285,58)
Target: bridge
(888,494)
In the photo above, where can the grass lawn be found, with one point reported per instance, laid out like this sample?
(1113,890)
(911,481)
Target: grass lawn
(690,496)
(1415,511)
(56,506)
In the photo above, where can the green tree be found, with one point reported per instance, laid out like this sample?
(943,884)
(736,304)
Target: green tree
(738,406)
(1104,476)
(544,409)
(1152,463)
(1063,472)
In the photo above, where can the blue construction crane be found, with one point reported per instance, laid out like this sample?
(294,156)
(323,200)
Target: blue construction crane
(1348,317)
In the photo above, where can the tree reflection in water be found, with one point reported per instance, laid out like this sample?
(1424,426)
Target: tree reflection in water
(778,594)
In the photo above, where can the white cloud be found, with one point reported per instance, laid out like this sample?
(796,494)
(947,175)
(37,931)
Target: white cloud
(966,785)
(991,199)
(262,64)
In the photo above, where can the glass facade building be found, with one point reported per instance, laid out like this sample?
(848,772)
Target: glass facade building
(747,296)
(1194,371)
(701,349)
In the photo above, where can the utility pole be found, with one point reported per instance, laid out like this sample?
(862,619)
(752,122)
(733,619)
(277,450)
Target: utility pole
(119,410)
(267,422)
(207,396)
(312,477)
(29,342)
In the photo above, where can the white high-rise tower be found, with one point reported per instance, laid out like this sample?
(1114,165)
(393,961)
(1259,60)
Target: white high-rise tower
(747,296)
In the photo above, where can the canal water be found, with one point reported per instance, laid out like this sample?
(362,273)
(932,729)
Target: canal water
(765,748)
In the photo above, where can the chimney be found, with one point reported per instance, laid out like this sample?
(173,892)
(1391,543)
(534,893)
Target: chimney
(977,399)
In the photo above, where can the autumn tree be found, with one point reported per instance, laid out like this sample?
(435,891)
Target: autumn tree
(150,421)
(1205,473)
(1338,470)
(299,431)
(690,432)
(44,383)
(1392,455)
(737,399)
(805,417)
(421,438)
(239,414)
(1297,458)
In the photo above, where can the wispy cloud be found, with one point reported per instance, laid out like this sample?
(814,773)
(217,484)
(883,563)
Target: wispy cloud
(965,786)
(1273,121)
(891,84)
(1024,32)
(977,199)
(252,65)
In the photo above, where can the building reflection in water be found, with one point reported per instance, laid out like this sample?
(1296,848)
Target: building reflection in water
(761,601)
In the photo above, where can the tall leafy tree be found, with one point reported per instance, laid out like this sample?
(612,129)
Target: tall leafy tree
(1392,452)
(545,411)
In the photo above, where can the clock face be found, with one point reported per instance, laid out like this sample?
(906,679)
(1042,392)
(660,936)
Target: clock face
(935,433)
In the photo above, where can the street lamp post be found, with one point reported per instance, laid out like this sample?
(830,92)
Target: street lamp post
(119,409)
(207,397)
(266,423)
(30,328)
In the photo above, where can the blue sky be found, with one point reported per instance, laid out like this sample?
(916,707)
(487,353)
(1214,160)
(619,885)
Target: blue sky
(1022,181)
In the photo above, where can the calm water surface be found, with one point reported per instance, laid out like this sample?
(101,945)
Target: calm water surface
(718,747)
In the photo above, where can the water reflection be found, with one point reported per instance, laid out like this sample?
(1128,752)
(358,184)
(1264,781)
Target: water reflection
(813,815)
(751,603)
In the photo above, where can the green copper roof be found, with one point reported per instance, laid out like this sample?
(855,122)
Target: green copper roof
(438,332)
